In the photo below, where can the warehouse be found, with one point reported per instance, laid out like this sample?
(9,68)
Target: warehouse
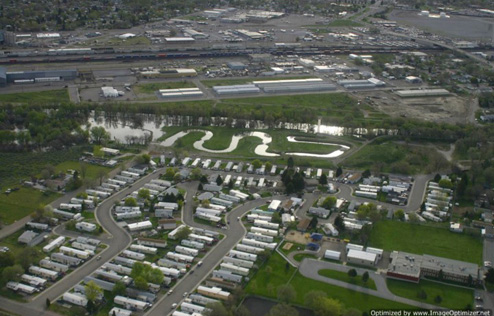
(361,257)
(236,89)
(180,93)
(69,74)
(423,93)
(179,40)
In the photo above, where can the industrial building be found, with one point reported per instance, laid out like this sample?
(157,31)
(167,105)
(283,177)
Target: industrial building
(180,93)
(294,85)
(41,75)
(236,89)
(411,267)
(27,237)
(423,93)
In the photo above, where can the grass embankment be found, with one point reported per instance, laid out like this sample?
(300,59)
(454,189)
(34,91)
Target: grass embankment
(265,283)
(23,202)
(223,137)
(451,296)
(148,88)
(421,239)
(344,277)
(49,96)
(396,158)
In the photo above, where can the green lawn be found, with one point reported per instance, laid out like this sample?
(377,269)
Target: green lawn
(266,284)
(223,137)
(342,276)
(301,256)
(452,297)
(21,203)
(344,23)
(48,96)
(395,158)
(421,239)
(155,86)
(92,171)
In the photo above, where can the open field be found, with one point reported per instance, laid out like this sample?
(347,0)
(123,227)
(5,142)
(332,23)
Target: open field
(92,171)
(396,158)
(17,166)
(342,276)
(421,239)
(265,283)
(452,297)
(155,86)
(21,203)
(48,96)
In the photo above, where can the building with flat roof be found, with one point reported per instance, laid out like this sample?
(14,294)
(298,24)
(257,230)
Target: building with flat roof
(411,267)
(361,257)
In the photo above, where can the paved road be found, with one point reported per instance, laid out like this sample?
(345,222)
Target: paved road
(310,267)
(118,239)
(233,235)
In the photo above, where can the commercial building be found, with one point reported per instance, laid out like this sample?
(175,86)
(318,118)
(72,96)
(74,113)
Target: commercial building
(27,237)
(236,65)
(411,267)
(69,74)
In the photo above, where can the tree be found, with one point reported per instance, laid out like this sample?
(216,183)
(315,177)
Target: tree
(422,295)
(269,166)
(93,291)
(145,158)
(99,135)
(177,177)
(327,307)
(130,201)
(366,173)
(144,194)
(286,293)
(219,180)
(256,164)
(6,259)
(313,222)
(242,311)
(47,302)
(437,177)
(352,312)
(413,217)
(282,310)
(141,283)
(83,168)
(365,277)
(323,180)
(183,233)
(27,256)
(204,179)
(276,218)
(438,299)
(102,174)
(440,275)
(352,273)
(445,183)
(312,297)
(216,309)
(200,187)
(195,174)
(169,173)
(400,214)
(339,172)
(339,223)
(290,163)
(119,288)
(329,202)
(12,273)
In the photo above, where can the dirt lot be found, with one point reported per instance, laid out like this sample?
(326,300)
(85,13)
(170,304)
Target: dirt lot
(451,109)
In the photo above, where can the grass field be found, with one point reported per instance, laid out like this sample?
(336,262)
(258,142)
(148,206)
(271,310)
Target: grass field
(342,276)
(397,158)
(420,239)
(344,23)
(301,256)
(138,40)
(452,297)
(266,284)
(92,171)
(48,96)
(223,136)
(21,203)
(155,86)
